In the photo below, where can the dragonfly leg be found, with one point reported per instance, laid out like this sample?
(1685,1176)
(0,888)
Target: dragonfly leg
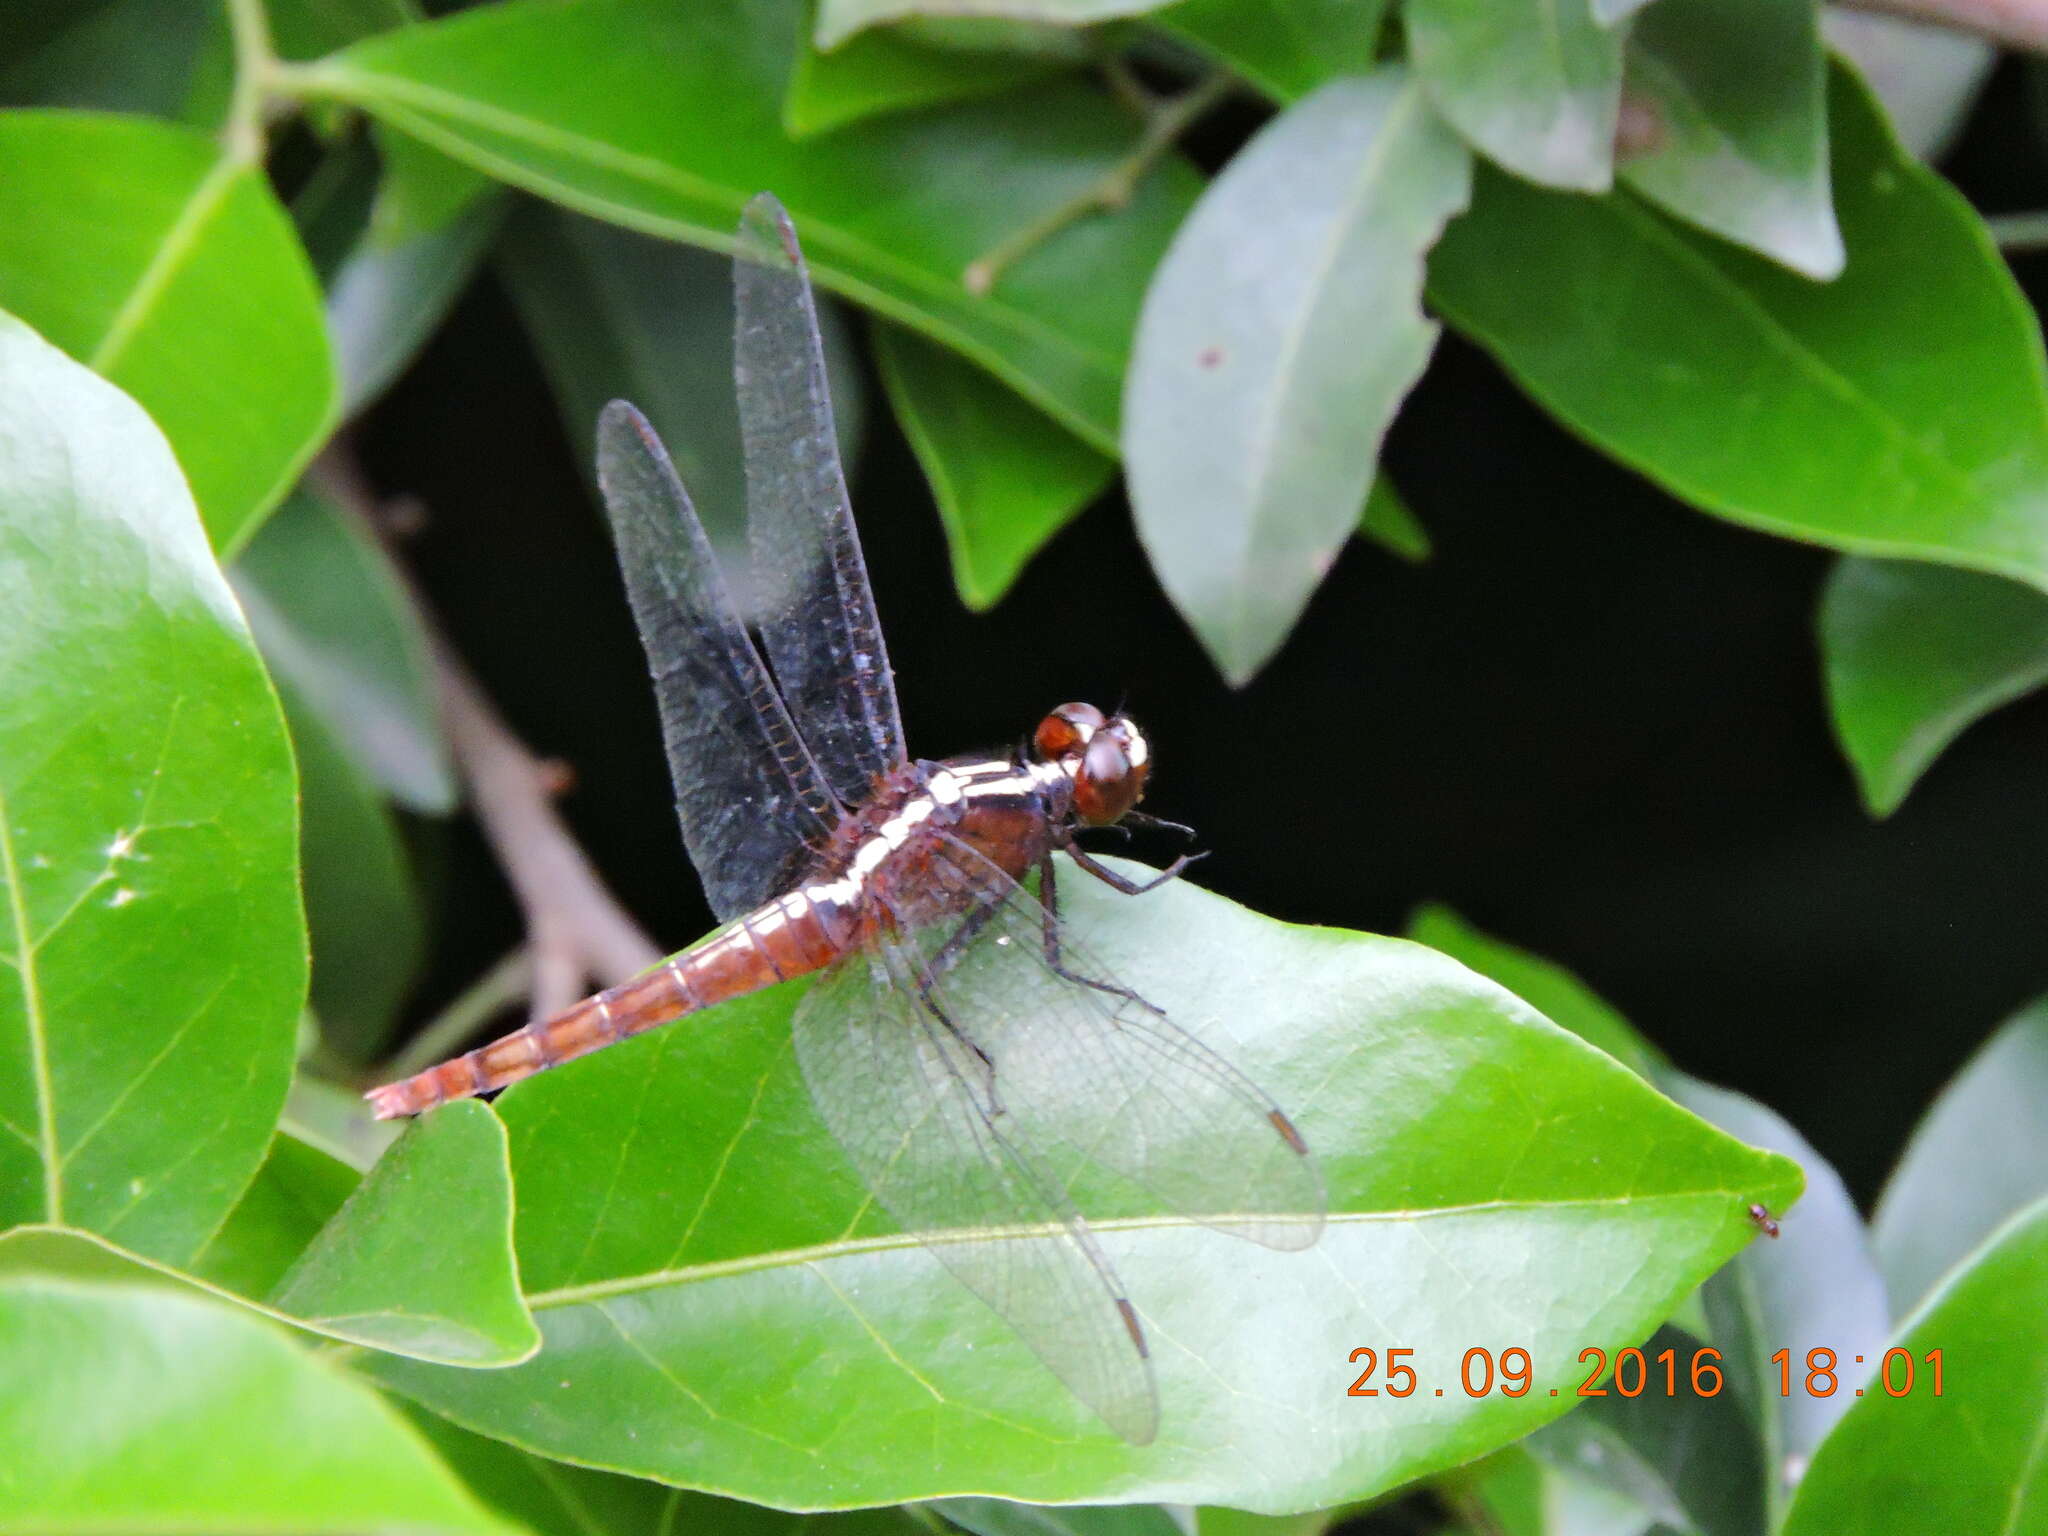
(1129,887)
(928,995)
(1049,906)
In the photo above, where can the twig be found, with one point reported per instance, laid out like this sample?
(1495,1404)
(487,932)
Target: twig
(576,931)
(249,25)
(1167,121)
(2015,23)
(2019,231)
(508,982)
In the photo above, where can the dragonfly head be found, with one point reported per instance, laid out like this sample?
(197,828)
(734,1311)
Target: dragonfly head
(1106,755)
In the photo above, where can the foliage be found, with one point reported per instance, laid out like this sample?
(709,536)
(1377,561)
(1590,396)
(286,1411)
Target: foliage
(604,1303)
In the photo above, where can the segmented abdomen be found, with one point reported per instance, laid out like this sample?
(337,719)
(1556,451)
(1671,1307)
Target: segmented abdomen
(790,936)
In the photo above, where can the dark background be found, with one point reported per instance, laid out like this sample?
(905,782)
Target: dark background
(1593,722)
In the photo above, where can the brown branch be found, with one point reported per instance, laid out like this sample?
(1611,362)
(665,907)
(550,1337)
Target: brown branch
(576,931)
(2019,24)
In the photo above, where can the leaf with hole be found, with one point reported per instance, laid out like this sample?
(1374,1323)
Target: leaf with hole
(154,957)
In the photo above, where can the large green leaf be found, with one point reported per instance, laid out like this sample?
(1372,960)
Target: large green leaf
(1535,85)
(616,315)
(1280,335)
(1739,89)
(724,1309)
(140,1410)
(1970,1459)
(1284,47)
(1897,410)
(1005,475)
(142,251)
(1914,655)
(664,115)
(420,1258)
(1980,1154)
(152,959)
(840,19)
(117,56)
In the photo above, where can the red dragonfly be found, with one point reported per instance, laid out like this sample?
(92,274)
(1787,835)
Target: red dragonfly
(974,1064)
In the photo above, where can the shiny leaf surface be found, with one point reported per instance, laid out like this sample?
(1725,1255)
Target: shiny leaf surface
(151,951)
(420,1258)
(1286,48)
(139,250)
(1915,654)
(1897,410)
(840,19)
(1006,477)
(665,117)
(1979,1155)
(1739,90)
(140,1410)
(1970,1459)
(729,1312)
(1534,85)
(1277,340)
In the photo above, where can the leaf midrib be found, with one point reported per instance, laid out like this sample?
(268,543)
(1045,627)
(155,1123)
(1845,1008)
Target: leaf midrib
(32,1012)
(790,1258)
(177,244)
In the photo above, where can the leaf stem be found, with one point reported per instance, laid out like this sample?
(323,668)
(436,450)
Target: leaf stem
(508,982)
(254,65)
(1112,190)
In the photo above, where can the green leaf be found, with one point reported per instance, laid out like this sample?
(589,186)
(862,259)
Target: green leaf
(1927,77)
(142,251)
(419,1261)
(308,29)
(336,623)
(616,315)
(723,1309)
(140,1410)
(1389,523)
(1000,1517)
(1546,986)
(1817,1285)
(1739,91)
(115,56)
(151,952)
(1285,48)
(881,72)
(298,1188)
(432,222)
(840,19)
(1897,410)
(1970,1459)
(1980,1154)
(1914,655)
(1277,340)
(1005,475)
(664,115)
(1534,85)
(337,1121)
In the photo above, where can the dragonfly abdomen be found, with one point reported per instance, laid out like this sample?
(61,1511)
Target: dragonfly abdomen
(791,936)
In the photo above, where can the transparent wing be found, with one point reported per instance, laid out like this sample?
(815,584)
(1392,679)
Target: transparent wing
(751,799)
(910,1106)
(814,609)
(1096,1085)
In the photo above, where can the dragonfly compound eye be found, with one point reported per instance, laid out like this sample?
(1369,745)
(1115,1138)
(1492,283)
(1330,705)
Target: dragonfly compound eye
(1066,731)
(1111,777)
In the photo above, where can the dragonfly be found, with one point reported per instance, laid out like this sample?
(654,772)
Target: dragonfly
(976,1066)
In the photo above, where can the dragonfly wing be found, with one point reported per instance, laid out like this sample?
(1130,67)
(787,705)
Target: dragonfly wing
(813,606)
(909,1104)
(752,802)
(1097,1082)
